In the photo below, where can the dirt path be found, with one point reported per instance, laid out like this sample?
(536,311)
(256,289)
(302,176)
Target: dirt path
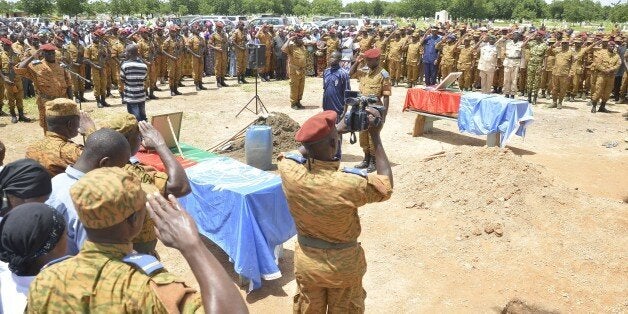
(563,234)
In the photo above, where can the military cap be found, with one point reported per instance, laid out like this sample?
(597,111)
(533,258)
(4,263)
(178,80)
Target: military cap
(317,127)
(107,196)
(99,32)
(143,29)
(124,123)
(61,107)
(6,41)
(416,34)
(606,38)
(577,40)
(48,47)
(372,53)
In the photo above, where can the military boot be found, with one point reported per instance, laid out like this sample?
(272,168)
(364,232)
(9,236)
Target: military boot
(200,85)
(593,106)
(218,82)
(81,97)
(365,163)
(151,94)
(198,88)
(222,82)
(22,117)
(172,93)
(530,98)
(603,108)
(553,105)
(2,113)
(98,102)
(543,94)
(243,80)
(372,167)
(176,91)
(155,88)
(103,102)
(560,104)
(13,116)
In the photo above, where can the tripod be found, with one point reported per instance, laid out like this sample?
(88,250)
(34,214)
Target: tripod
(259,105)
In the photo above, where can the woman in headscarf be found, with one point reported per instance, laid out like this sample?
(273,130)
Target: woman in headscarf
(31,236)
(23,181)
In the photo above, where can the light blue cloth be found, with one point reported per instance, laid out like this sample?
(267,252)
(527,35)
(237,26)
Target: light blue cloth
(483,114)
(61,201)
(244,211)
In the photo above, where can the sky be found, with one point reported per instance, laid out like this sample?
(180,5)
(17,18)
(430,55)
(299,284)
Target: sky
(604,2)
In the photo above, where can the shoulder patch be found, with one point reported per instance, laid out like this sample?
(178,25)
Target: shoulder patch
(385,73)
(147,263)
(58,260)
(296,157)
(360,172)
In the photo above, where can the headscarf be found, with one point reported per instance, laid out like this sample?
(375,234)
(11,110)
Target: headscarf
(25,178)
(28,232)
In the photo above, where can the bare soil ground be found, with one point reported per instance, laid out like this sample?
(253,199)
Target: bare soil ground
(544,221)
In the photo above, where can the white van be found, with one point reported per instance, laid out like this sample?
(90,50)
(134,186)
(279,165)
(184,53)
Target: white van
(358,23)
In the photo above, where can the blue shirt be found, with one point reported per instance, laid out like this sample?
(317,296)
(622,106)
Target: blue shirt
(61,201)
(335,83)
(430,54)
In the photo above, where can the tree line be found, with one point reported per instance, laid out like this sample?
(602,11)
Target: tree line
(568,10)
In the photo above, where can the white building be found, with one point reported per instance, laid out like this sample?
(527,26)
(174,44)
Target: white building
(442,16)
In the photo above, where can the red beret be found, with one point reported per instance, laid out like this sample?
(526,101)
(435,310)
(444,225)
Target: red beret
(75,34)
(143,30)
(48,47)
(99,32)
(372,53)
(317,127)
(541,33)
(6,41)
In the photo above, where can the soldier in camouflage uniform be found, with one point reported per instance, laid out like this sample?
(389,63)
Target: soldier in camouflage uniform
(13,89)
(174,181)
(108,276)
(329,262)
(535,65)
(56,151)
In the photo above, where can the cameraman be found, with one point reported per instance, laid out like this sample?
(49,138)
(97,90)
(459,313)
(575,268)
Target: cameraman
(374,81)
(329,262)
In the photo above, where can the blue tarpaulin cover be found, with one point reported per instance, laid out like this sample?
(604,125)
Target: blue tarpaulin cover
(244,211)
(483,114)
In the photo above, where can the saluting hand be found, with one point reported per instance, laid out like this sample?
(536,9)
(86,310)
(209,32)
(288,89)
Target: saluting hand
(173,225)
(85,123)
(151,137)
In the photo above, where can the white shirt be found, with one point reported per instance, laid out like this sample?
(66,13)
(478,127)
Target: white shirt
(13,292)
(488,58)
(513,53)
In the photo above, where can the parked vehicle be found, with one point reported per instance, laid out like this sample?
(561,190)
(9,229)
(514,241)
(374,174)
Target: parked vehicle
(275,21)
(358,23)
(384,23)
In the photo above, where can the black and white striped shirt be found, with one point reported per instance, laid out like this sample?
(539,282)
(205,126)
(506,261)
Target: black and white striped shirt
(133,74)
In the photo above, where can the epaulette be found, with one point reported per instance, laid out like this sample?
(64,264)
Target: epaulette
(385,73)
(36,61)
(296,157)
(360,172)
(147,263)
(58,260)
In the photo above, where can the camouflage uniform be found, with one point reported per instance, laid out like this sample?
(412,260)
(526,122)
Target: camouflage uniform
(107,277)
(239,40)
(413,58)
(560,75)
(448,57)
(75,55)
(535,67)
(465,65)
(298,56)
(97,53)
(56,152)
(197,45)
(14,93)
(606,64)
(328,280)
(394,59)
(372,83)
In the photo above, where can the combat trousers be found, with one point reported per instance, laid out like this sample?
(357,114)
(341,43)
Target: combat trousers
(511,74)
(560,86)
(317,292)
(197,70)
(152,74)
(78,85)
(220,63)
(486,78)
(268,66)
(174,73)
(186,67)
(603,88)
(465,81)
(546,79)
(395,69)
(533,74)
(498,77)
(162,67)
(522,79)
(445,69)
(624,86)
(99,80)
(113,73)
(240,62)
(413,72)
(576,83)
(14,94)
(297,83)
(366,143)
(593,82)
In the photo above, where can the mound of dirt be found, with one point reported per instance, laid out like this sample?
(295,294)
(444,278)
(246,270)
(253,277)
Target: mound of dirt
(283,129)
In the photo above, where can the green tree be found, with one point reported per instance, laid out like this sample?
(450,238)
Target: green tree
(474,9)
(97,7)
(301,7)
(123,7)
(147,7)
(326,7)
(36,7)
(71,7)
(377,8)
(6,7)
(359,8)
(619,13)
(529,9)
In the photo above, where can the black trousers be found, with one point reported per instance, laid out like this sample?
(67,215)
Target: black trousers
(617,87)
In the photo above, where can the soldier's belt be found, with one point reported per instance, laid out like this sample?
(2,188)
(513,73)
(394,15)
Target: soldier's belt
(46,97)
(322,244)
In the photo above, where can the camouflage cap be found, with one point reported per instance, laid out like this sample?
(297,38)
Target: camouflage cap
(123,123)
(61,107)
(107,196)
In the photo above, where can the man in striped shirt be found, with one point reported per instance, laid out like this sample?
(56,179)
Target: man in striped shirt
(133,73)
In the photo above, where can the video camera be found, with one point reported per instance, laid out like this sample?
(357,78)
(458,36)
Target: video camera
(356,117)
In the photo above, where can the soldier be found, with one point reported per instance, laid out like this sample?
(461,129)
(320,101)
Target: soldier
(465,65)
(563,59)
(14,91)
(186,61)
(56,150)
(329,262)
(577,69)
(218,42)
(160,59)
(374,81)
(50,79)
(76,54)
(624,84)
(196,48)
(535,65)
(430,55)
(413,58)
(297,53)
(97,56)
(487,63)
(548,68)
(606,63)
(265,39)
(381,43)
(171,49)
(447,49)
(239,43)
(332,44)
(589,72)
(512,50)
(111,204)
(394,57)
(147,52)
